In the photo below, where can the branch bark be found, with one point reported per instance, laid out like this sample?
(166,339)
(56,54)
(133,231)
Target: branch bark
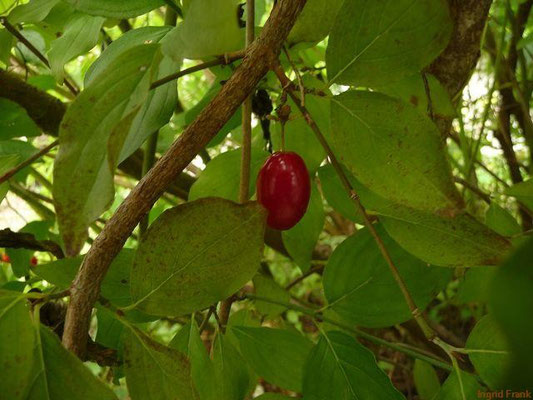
(22,240)
(86,286)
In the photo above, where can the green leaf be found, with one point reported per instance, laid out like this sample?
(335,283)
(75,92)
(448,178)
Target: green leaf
(233,379)
(523,191)
(15,122)
(59,374)
(109,333)
(301,239)
(6,163)
(6,43)
(314,22)
(489,352)
(360,287)
(16,148)
(273,396)
(80,35)
(33,11)
(211,27)
(501,221)
(475,286)
(412,89)
(341,368)
(97,120)
(115,8)
(511,303)
(196,254)
(378,41)
(394,150)
(221,177)
(154,371)
(16,345)
(447,242)
(5,5)
(202,368)
(115,286)
(426,380)
(336,194)
(277,355)
(266,287)
(160,103)
(464,389)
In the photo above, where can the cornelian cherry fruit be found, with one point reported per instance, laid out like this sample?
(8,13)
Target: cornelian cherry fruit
(284,188)
(34,261)
(5,258)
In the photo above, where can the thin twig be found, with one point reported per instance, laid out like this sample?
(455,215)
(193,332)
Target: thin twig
(27,162)
(219,60)
(316,269)
(11,29)
(24,240)
(415,311)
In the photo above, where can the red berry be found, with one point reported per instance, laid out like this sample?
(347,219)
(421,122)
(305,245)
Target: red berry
(284,188)
(5,258)
(33,261)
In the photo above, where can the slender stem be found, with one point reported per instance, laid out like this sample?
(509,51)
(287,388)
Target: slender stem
(415,311)
(27,162)
(219,60)
(371,338)
(30,198)
(11,29)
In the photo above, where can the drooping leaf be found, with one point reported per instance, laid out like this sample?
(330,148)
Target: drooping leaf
(33,11)
(394,150)
(115,286)
(523,192)
(488,350)
(196,254)
(15,122)
(314,22)
(378,41)
(511,303)
(426,380)
(97,120)
(115,8)
(277,355)
(160,103)
(221,177)
(154,371)
(341,368)
(211,27)
(300,240)
(80,35)
(109,333)
(360,287)
(16,345)
(60,375)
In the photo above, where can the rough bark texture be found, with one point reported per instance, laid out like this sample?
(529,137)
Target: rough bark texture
(86,287)
(455,64)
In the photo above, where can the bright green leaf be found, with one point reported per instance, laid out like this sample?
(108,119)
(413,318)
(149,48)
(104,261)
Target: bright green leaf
(15,122)
(340,368)
(33,11)
(501,221)
(523,191)
(221,177)
(81,35)
(97,120)
(196,254)
(266,287)
(314,22)
(378,41)
(116,8)
(426,380)
(464,389)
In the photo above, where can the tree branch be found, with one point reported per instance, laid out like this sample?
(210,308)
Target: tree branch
(22,240)
(86,286)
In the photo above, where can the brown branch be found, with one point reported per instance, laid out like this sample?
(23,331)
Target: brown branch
(86,286)
(22,240)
